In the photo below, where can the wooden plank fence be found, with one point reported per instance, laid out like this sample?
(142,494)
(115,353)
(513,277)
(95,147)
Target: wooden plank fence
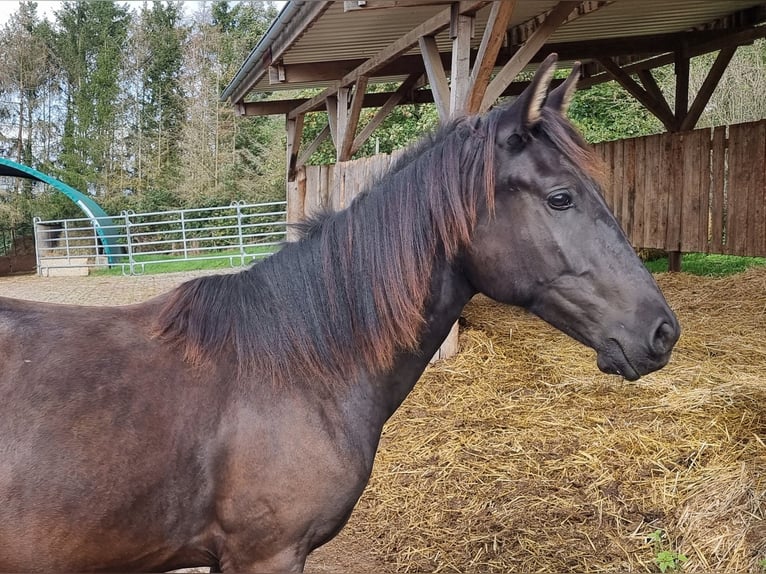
(699,191)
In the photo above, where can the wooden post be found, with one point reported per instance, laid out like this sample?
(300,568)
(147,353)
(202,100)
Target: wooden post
(681,66)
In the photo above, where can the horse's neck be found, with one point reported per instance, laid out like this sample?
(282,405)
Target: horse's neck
(450,292)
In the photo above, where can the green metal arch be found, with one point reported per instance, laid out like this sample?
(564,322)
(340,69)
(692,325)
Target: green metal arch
(107,229)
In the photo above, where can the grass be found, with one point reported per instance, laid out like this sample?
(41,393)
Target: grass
(708,265)
(155,263)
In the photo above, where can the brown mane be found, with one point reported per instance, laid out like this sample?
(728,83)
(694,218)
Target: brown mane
(351,292)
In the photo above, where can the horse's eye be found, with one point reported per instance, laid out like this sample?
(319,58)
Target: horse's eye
(560,200)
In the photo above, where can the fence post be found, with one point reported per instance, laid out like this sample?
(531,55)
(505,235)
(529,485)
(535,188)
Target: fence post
(183,235)
(35,223)
(240,238)
(129,240)
(66,241)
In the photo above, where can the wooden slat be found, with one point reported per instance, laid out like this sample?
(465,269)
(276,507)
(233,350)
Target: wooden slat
(717,187)
(637,236)
(734,191)
(756,195)
(628,187)
(703,154)
(693,190)
(673,190)
(608,151)
(618,178)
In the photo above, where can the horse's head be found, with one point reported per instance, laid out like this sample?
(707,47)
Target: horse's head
(551,245)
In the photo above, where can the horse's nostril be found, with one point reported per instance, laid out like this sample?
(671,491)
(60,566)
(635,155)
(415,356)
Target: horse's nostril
(665,336)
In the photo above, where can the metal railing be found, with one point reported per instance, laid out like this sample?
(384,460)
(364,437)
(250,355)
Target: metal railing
(236,235)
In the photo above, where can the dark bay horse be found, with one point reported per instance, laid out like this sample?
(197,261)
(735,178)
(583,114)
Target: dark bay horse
(233,422)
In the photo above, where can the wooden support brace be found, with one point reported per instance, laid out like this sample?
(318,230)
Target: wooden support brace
(643,96)
(681,68)
(436,76)
(313,146)
(385,110)
(294,135)
(343,97)
(524,55)
(491,42)
(707,88)
(332,118)
(653,89)
(460,71)
(352,120)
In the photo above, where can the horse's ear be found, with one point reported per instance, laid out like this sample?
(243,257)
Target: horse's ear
(532,98)
(560,98)
(525,111)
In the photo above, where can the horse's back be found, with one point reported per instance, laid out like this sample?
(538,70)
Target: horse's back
(102,429)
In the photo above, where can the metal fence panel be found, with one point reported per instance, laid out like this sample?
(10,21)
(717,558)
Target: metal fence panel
(236,234)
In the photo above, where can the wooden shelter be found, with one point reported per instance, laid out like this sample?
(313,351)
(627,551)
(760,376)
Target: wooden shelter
(464,55)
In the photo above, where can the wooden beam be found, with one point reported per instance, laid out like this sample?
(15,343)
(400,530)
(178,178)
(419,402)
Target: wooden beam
(332,118)
(707,88)
(312,147)
(344,154)
(630,85)
(343,96)
(436,76)
(294,134)
(681,68)
(524,55)
(392,101)
(491,42)
(430,27)
(460,70)
(653,89)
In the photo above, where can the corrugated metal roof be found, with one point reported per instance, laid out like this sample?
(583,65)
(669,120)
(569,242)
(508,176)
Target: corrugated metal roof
(360,34)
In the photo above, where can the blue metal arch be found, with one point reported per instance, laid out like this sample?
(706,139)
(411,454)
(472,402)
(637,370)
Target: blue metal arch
(107,229)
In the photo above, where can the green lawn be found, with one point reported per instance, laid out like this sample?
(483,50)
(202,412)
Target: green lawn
(154,263)
(709,265)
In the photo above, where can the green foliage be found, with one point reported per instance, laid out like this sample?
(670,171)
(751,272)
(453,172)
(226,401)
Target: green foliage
(705,264)
(667,560)
(88,43)
(607,112)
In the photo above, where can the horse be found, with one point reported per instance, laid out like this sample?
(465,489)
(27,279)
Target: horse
(233,421)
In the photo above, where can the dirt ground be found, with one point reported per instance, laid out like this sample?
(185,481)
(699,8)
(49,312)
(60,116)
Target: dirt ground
(343,554)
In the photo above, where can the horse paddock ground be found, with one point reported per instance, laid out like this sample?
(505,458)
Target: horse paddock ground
(519,455)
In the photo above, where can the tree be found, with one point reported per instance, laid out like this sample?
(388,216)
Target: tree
(89,41)
(27,80)
(224,156)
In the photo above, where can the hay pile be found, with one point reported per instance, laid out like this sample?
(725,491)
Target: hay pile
(519,455)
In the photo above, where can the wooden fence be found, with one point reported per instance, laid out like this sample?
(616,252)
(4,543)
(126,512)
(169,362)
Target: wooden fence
(698,191)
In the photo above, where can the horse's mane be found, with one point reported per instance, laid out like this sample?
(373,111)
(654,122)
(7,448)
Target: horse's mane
(351,292)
